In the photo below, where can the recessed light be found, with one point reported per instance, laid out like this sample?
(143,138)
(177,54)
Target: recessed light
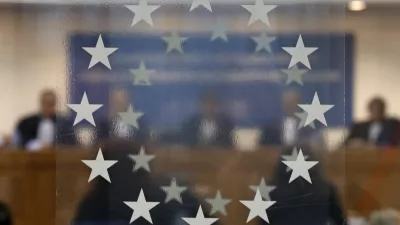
(357,5)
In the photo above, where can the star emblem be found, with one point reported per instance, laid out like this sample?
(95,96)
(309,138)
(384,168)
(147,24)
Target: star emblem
(205,3)
(315,111)
(294,74)
(173,191)
(259,11)
(142,11)
(200,219)
(263,42)
(141,208)
(264,189)
(258,207)
(174,42)
(292,157)
(84,110)
(219,30)
(300,53)
(131,117)
(218,203)
(142,160)
(302,117)
(99,166)
(300,167)
(141,76)
(99,53)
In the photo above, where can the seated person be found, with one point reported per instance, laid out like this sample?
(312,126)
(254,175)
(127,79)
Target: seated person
(104,203)
(301,202)
(5,215)
(40,130)
(287,130)
(209,127)
(122,124)
(379,130)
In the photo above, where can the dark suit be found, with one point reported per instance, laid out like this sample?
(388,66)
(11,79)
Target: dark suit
(5,218)
(223,138)
(28,128)
(389,135)
(105,130)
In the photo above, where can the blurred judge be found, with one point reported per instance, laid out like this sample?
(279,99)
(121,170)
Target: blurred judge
(122,123)
(209,127)
(378,130)
(39,130)
(285,130)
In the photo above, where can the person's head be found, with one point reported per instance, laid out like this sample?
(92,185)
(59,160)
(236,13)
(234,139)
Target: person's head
(209,104)
(291,99)
(385,217)
(376,108)
(48,103)
(119,100)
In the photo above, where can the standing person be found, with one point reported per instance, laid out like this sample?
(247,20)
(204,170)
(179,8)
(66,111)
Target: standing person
(209,127)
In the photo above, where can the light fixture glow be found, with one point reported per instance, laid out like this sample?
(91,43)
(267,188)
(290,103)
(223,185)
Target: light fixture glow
(357,5)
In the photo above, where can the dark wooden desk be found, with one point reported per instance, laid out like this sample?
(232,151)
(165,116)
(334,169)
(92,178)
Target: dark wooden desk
(367,180)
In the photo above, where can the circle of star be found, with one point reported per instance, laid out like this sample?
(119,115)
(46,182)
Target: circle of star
(300,53)
(131,117)
(174,42)
(200,219)
(173,191)
(259,11)
(99,166)
(263,42)
(300,167)
(142,160)
(143,12)
(141,76)
(218,203)
(99,53)
(141,208)
(205,3)
(292,157)
(264,188)
(315,111)
(84,110)
(294,74)
(258,207)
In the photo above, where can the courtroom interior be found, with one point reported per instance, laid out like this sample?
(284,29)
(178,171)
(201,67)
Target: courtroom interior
(199,112)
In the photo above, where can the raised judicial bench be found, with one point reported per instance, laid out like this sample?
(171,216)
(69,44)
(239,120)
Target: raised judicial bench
(44,188)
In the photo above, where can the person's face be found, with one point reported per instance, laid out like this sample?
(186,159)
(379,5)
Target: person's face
(209,108)
(290,102)
(120,101)
(376,111)
(48,105)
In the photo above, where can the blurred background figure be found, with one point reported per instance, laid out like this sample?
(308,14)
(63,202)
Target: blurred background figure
(5,215)
(378,130)
(122,123)
(385,217)
(285,131)
(209,127)
(301,202)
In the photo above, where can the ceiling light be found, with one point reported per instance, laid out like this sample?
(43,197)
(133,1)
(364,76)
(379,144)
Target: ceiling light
(357,5)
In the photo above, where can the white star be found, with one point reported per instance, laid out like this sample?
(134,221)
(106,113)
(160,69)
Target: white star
(142,11)
(264,189)
(219,31)
(99,53)
(218,203)
(205,3)
(99,166)
(130,117)
(300,167)
(141,160)
(84,110)
(199,219)
(173,191)
(300,53)
(141,75)
(141,208)
(174,42)
(259,11)
(263,42)
(303,116)
(294,74)
(315,111)
(292,157)
(258,207)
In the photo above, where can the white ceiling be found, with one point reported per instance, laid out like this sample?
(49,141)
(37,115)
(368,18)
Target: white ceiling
(93,2)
